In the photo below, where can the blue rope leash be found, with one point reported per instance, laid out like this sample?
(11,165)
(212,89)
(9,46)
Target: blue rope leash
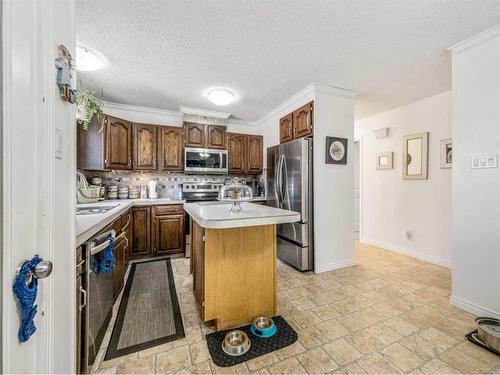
(107,263)
(26,294)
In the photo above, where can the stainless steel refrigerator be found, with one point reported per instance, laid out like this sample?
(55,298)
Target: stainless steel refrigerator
(290,186)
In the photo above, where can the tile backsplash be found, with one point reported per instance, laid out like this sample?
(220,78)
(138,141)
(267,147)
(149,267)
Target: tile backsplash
(168,183)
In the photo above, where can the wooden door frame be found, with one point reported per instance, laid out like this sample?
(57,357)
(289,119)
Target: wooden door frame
(32,30)
(361,190)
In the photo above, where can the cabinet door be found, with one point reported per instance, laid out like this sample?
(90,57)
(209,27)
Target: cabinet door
(118,143)
(90,146)
(216,136)
(194,135)
(198,254)
(286,128)
(303,121)
(170,148)
(141,232)
(145,141)
(168,232)
(236,152)
(254,153)
(119,270)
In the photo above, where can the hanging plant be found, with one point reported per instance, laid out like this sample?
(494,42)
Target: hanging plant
(88,106)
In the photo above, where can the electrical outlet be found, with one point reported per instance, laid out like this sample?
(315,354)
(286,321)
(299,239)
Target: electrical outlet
(484,161)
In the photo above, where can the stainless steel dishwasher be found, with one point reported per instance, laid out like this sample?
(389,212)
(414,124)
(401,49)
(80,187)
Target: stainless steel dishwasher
(100,299)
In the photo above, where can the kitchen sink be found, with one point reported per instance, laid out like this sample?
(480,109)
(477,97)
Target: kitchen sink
(94,210)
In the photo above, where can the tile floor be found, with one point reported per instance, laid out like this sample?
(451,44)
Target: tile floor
(389,314)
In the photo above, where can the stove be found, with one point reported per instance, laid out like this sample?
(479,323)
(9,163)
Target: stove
(201,191)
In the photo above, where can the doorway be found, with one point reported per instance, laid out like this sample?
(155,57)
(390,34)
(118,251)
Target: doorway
(357,189)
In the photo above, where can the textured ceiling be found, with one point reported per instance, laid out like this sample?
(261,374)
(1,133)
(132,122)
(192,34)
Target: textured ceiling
(165,53)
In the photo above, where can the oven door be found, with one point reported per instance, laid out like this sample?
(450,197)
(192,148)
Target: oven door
(203,160)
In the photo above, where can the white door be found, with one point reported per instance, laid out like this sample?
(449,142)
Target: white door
(356,161)
(37,188)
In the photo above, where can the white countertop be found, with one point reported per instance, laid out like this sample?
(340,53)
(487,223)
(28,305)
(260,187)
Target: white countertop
(89,225)
(217,215)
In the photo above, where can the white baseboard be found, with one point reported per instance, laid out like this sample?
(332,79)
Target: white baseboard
(473,308)
(410,253)
(335,265)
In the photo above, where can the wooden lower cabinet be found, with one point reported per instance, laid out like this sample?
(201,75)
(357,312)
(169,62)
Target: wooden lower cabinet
(141,233)
(119,270)
(156,230)
(234,273)
(197,265)
(168,234)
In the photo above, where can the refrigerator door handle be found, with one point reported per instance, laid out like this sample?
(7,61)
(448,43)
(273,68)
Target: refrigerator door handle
(276,181)
(279,181)
(284,182)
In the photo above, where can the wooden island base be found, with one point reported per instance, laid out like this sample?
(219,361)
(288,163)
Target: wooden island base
(234,273)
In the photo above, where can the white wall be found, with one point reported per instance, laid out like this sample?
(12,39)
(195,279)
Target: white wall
(476,192)
(391,205)
(333,184)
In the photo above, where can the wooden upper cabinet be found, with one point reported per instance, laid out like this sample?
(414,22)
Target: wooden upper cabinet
(236,152)
(90,147)
(286,128)
(194,135)
(303,121)
(254,158)
(170,148)
(145,141)
(168,234)
(216,136)
(118,143)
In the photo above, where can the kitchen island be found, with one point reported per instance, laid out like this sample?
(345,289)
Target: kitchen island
(233,260)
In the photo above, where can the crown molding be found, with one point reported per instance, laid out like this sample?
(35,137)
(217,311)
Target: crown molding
(169,113)
(136,108)
(204,112)
(303,96)
(327,89)
(475,40)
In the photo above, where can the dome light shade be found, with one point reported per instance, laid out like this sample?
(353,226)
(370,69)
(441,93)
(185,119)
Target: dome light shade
(220,96)
(88,60)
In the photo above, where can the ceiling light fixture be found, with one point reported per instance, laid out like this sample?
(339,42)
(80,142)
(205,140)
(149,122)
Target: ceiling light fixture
(220,96)
(88,60)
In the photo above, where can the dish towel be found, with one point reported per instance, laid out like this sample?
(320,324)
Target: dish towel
(107,263)
(25,288)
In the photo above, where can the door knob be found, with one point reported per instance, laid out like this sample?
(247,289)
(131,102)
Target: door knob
(41,270)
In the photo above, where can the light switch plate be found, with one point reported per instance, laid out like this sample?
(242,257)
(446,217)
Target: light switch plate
(58,144)
(484,161)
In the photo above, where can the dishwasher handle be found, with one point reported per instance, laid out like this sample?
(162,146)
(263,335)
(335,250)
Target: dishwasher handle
(95,248)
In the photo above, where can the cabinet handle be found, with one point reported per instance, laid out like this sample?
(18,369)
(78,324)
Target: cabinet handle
(83,293)
(125,227)
(129,160)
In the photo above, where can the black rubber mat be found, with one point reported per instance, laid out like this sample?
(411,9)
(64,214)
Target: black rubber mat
(475,339)
(285,336)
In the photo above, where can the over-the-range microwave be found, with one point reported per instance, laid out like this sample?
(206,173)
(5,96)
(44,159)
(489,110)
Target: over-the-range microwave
(204,160)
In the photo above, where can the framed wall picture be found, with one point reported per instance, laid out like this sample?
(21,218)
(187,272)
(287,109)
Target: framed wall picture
(385,160)
(415,156)
(336,150)
(446,153)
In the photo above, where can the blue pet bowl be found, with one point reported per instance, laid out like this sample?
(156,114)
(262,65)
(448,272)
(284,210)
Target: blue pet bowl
(263,327)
